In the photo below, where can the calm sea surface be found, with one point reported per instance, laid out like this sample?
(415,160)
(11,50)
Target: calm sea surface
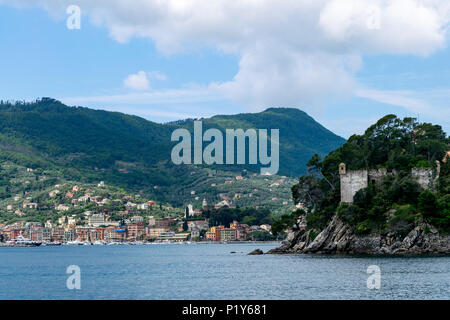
(211,271)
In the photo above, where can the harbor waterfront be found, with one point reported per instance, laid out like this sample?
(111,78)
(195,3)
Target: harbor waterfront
(219,271)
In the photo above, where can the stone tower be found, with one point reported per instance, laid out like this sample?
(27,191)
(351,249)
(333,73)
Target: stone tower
(351,182)
(342,169)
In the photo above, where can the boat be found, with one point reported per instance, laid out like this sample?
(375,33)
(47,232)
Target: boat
(21,241)
(76,242)
(51,244)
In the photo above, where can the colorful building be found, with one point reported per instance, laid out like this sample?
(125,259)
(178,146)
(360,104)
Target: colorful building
(135,230)
(228,234)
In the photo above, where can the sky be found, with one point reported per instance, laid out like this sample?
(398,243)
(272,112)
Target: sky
(347,63)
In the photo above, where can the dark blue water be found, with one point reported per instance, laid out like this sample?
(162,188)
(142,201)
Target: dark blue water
(201,271)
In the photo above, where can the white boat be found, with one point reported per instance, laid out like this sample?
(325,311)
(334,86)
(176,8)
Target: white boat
(51,244)
(21,241)
(76,242)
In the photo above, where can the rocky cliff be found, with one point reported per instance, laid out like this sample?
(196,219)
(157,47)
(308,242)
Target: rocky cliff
(339,237)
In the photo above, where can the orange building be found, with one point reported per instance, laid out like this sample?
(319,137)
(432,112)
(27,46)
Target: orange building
(100,233)
(113,234)
(216,231)
(135,230)
(210,236)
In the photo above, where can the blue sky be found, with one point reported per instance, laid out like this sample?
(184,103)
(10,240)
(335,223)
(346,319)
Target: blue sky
(215,73)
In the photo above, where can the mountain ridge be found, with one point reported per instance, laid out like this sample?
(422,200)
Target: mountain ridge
(133,152)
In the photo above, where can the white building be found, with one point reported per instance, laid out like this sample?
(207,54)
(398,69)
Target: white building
(142,206)
(97,220)
(61,207)
(137,219)
(72,220)
(62,220)
(53,193)
(191,210)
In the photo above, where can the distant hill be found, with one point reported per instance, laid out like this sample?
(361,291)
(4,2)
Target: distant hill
(131,152)
(300,135)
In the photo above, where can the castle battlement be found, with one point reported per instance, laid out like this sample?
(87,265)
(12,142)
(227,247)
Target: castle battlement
(354,180)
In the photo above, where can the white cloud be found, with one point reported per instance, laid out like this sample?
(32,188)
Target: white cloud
(292,52)
(138,81)
(341,127)
(171,96)
(399,27)
(161,105)
(429,105)
(289,79)
(157,75)
(398,98)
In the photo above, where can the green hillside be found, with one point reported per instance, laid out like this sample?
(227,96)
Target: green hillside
(300,135)
(85,145)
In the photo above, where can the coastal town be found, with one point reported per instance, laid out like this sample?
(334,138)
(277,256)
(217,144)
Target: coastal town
(157,230)
(105,222)
(40,207)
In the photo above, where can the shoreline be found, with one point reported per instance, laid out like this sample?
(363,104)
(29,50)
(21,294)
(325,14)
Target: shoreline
(4,245)
(338,237)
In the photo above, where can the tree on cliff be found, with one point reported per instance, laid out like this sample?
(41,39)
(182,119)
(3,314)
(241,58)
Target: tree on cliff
(287,221)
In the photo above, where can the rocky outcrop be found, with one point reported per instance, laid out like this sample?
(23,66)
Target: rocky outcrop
(256,252)
(338,237)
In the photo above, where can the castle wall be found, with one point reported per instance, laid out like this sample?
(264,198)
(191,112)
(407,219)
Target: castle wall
(423,176)
(377,175)
(352,182)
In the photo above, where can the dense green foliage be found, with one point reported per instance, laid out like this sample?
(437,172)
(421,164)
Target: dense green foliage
(300,135)
(397,203)
(225,216)
(263,236)
(287,221)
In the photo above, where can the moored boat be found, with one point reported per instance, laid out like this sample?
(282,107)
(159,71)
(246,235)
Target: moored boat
(21,241)
(51,244)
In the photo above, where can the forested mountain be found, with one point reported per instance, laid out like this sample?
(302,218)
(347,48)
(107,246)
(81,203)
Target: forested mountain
(300,135)
(128,151)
